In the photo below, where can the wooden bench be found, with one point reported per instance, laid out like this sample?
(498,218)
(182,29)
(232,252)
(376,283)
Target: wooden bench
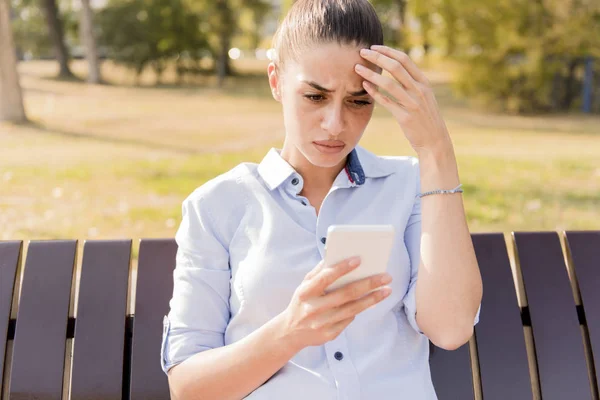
(538,337)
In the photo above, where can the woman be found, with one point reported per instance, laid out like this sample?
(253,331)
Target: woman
(249,315)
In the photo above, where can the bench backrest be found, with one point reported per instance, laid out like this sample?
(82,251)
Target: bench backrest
(548,345)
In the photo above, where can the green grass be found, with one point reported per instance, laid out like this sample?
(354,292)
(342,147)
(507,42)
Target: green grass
(116,161)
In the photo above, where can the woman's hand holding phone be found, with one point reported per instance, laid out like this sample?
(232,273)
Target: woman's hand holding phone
(314,317)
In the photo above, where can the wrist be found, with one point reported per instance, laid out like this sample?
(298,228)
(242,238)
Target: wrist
(438,168)
(285,336)
(440,150)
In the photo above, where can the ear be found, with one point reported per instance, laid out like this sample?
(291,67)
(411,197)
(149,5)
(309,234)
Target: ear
(273,73)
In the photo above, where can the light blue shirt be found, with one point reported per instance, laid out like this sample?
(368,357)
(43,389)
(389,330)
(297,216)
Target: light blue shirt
(246,241)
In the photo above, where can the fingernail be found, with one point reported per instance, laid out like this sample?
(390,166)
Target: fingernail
(360,67)
(376,46)
(386,291)
(354,261)
(365,52)
(386,279)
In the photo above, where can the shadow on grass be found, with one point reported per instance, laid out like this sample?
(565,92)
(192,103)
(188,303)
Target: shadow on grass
(62,78)
(113,140)
(241,85)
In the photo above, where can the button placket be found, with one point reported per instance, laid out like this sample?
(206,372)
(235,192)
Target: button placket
(342,368)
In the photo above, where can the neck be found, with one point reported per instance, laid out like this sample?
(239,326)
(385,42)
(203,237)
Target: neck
(315,178)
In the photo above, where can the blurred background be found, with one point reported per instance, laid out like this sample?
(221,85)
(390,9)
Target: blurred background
(113,111)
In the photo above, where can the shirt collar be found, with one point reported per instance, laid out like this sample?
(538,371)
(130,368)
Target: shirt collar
(361,164)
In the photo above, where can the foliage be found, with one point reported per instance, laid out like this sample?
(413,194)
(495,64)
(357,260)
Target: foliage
(516,55)
(31,30)
(140,33)
(526,56)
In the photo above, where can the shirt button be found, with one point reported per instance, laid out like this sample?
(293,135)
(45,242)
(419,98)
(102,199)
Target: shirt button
(303,203)
(338,356)
(323,240)
(295,181)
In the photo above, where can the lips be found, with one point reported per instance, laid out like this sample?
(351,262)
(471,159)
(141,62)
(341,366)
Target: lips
(329,146)
(330,143)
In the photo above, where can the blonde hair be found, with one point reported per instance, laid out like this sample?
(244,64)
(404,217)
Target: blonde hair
(312,22)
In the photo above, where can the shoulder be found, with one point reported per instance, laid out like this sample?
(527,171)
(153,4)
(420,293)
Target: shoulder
(216,207)
(401,164)
(228,190)
(403,169)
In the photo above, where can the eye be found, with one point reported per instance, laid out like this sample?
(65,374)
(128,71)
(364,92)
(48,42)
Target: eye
(315,98)
(361,103)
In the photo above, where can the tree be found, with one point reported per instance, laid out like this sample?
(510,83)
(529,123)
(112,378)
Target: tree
(225,29)
(11,100)
(526,56)
(55,29)
(259,11)
(87,36)
(393,16)
(422,10)
(141,33)
(448,12)
(222,18)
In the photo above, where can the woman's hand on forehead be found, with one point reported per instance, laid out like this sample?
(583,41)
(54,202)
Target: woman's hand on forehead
(409,96)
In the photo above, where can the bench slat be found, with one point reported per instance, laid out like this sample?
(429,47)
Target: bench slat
(556,333)
(10,253)
(585,252)
(101,315)
(41,330)
(500,341)
(451,373)
(154,289)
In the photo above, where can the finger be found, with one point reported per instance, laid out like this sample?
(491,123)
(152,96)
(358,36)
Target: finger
(356,290)
(314,271)
(405,60)
(338,327)
(326,276)
(353,308)
(394,67)
(389,84)
(396,109)
(332,331)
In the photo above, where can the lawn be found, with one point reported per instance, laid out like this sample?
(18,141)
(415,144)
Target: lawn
(116,161)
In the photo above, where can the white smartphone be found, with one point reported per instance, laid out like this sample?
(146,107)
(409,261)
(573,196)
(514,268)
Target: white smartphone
(372,243)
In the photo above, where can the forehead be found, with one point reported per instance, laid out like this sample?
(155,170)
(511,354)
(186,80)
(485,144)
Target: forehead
(331,65)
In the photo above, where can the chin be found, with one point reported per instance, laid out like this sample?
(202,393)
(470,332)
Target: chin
(322,160)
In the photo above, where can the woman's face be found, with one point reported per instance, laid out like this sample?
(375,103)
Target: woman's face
(325,106)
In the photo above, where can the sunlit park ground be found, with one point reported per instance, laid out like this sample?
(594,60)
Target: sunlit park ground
(116,161)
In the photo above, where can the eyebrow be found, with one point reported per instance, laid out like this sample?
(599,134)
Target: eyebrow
(322,89)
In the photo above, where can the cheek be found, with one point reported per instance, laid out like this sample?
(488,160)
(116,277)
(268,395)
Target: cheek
(304,112)
(360,118)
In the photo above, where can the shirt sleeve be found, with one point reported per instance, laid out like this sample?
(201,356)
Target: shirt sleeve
(199,308)
(412,240)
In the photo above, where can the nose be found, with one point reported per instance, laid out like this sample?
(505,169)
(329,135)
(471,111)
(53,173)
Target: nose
(333,120)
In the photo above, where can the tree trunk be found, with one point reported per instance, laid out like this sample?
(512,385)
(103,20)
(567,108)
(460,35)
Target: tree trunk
(425,28)
(450,19)
(223,66)
(55,30)
(401,33)
(570,81)
(11,99)
(226,30)
(86,31)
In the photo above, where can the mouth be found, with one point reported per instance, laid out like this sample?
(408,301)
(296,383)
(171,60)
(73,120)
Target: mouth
(329,146)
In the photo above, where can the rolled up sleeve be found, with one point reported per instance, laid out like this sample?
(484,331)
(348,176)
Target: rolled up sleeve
(199,309)
(412,240)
